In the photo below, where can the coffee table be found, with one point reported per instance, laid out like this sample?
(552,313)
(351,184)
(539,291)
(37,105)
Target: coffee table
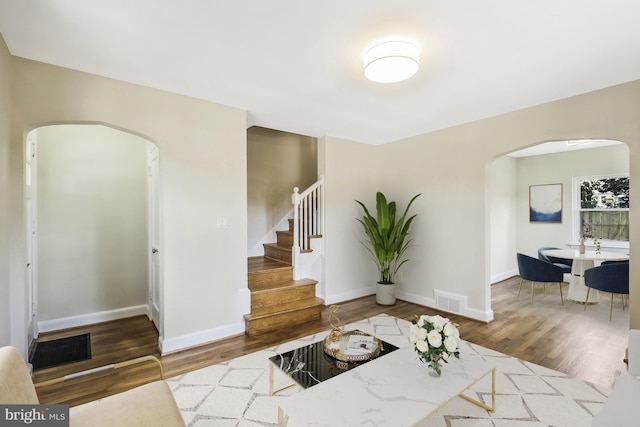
(310,365)
(395,389)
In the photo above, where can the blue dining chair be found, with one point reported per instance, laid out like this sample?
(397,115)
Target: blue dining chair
(537,271)
(564,264)
(623,261)
(610,277)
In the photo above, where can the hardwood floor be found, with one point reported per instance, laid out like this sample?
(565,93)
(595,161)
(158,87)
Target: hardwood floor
(581,343)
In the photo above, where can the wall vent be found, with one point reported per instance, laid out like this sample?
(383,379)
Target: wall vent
(450,302)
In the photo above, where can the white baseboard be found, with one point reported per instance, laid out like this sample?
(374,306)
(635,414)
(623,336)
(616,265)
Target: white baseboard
(416,299)
(171,345)
(484,316)
(504,276)
(88,319)
(346,296)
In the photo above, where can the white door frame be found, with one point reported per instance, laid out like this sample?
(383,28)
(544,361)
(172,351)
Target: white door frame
(30,185)
(155,255)
(30,217)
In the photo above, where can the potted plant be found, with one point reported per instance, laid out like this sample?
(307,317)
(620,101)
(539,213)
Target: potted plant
(387,243)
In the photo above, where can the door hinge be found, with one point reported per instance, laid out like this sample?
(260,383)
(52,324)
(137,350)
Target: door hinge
(150,296)
(34,309)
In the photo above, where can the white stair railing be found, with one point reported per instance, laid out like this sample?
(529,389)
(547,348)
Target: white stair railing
(308,217)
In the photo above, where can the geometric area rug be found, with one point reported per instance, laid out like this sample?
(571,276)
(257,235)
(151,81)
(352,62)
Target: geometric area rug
(236,392)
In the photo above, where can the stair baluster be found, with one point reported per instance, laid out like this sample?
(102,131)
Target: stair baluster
(308,217)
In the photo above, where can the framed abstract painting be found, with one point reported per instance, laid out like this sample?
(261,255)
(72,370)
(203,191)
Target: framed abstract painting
(545,203)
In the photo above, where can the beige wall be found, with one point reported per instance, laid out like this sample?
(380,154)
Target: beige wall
(276,162)
(501,201)
(350,174)
(449,171)
(202,177)
(560,169)
(451,249)
(449,166)
(5,113)
(92,221)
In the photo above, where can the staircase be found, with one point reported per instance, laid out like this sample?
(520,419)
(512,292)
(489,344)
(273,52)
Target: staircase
(277,300)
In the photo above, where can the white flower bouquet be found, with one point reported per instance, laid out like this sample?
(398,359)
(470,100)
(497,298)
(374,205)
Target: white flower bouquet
(435,339)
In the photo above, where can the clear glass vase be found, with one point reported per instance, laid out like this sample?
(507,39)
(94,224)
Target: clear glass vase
(435,370)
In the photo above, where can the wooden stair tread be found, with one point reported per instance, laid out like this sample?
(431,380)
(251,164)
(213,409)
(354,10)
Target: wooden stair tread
(283,308)
(261,288)
(284,267)
(260,264)
(277,300)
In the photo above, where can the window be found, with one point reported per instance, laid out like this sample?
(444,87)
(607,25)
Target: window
(603,208)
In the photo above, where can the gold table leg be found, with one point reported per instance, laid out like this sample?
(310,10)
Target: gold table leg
(491,408)
(280,417)
(271,381)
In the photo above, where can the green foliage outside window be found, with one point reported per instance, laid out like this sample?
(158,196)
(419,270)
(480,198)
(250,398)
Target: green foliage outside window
(610,193)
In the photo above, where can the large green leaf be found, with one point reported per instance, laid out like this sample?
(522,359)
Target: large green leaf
(387,236)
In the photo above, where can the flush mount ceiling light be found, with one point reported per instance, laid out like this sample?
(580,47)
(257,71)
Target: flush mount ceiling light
(391,62)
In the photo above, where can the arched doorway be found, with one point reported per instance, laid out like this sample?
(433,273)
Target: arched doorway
(92,216)
(552,162)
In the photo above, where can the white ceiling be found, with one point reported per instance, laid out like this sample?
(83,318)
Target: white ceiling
(296,65)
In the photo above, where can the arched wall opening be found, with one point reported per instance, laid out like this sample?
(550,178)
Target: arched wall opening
(509,178)
(202,176)
(92,225)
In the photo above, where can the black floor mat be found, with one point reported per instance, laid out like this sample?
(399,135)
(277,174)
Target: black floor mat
(61,351)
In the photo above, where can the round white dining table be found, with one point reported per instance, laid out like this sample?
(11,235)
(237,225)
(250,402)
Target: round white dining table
(582,262)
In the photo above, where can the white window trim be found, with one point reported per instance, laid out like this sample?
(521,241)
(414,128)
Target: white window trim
(575,207)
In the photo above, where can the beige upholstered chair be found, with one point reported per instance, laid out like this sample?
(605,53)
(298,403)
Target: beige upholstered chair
(621,409)
(148,405)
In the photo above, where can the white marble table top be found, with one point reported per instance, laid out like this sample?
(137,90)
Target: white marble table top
(393,390)
(587,255)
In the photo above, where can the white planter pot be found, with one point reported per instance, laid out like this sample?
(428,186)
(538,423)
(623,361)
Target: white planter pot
(385,294)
